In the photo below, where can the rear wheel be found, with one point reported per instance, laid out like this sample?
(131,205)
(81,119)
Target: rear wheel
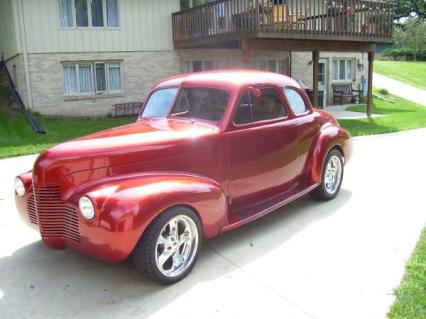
(332,176)
(169,248)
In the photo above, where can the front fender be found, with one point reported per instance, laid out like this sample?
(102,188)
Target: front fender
(329,136)
(125,206)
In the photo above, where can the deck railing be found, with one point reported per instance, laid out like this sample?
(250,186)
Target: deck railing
(355,20)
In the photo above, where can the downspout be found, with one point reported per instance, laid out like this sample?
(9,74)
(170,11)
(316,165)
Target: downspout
(289,64)
(23,38)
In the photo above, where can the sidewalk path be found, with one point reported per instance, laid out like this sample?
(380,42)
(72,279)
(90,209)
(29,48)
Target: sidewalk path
(339,112)
(400,89)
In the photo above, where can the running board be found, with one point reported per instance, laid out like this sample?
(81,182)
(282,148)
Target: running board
(255,214)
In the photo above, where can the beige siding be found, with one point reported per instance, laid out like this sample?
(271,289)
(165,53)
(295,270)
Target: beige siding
(145,25)
(9,29)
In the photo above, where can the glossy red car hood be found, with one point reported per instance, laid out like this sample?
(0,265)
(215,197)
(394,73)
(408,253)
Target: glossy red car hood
(144,140)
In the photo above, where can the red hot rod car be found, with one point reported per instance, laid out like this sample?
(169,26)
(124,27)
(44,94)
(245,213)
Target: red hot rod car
(209,152)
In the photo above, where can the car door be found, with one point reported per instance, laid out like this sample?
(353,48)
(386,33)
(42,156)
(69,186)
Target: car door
(263,157)
(307,127)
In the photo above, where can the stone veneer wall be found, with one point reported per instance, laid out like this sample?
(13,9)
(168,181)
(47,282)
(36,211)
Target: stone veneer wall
(230,58)
(141,70)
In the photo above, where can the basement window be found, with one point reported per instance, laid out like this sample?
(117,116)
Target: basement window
(88,78)
(277,66)
(344,70)
(198,65)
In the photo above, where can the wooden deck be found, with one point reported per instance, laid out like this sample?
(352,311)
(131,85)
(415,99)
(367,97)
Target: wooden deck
(224,23)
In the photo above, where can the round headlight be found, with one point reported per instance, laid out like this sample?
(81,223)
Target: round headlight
(86,207)
(19,187)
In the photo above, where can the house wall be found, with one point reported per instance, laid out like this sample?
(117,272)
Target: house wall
(15,65)
(9,29)
(141,70)
(145,25)
(302,69)
(143,42)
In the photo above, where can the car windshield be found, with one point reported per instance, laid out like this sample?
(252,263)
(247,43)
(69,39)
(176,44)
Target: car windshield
(194,103)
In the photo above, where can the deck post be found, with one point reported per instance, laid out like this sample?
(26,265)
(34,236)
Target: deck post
(315,62)
(370,84)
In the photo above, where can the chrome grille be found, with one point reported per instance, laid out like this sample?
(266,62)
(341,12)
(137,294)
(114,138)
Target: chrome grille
(32,213)
(55,218)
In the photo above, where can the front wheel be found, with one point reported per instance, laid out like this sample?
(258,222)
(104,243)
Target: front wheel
(332,176)
(169,248)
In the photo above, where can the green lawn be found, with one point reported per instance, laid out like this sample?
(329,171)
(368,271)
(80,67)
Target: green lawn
(401,115)
(413,73)
(411,294)
(17,137)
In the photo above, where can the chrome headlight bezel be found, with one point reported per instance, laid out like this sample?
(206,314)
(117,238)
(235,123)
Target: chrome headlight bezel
(87,209)
(19,187)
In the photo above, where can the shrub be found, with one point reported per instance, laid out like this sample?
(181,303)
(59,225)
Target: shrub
(383,92)
(407,53)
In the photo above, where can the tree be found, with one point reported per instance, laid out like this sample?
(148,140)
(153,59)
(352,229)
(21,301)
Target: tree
(406,8)
(411,35)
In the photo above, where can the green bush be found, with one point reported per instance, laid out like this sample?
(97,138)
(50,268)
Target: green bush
(383,92)
(407,53)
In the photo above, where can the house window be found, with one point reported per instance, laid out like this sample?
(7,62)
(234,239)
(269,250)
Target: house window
(198,65)
(88,13)
(92,77)
(65,13)
(343,70)
(277,66)
(81,13)
(321,74)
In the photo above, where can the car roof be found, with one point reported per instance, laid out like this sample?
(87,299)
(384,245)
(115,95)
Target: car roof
(228,79)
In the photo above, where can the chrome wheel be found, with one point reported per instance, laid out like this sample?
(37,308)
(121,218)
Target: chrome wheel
(333,174)
(176,246)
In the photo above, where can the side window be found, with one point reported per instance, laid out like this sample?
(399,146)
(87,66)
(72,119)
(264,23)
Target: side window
(182,105)
(266,106)
(295,101)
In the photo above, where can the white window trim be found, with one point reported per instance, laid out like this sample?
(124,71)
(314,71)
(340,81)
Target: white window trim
(89,12)
(353,79)
(94,92)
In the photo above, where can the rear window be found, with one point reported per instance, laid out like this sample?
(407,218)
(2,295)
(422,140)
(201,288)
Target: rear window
(295,100)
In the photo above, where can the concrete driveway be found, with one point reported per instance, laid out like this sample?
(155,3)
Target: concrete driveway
(339,259)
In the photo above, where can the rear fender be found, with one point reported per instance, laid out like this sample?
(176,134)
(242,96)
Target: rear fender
(329,137)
